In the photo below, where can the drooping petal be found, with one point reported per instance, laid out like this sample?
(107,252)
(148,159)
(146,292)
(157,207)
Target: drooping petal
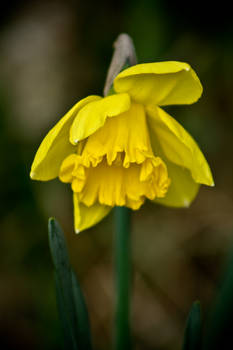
(56,146)
(178,146)
(183,189)
(160,83)
(86,217)
(93,116)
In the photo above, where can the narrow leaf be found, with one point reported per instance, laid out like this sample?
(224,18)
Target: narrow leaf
(193,330)
(70,341)
(63,281)
(84,333)
(57,245)
(71,303)
(220,322)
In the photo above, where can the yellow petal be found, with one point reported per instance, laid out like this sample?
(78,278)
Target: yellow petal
(85,217)
(161,83)
(178,146)
(93,116)
(183,189)
(56,146)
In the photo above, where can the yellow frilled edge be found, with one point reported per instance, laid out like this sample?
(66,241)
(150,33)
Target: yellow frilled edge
(123,149)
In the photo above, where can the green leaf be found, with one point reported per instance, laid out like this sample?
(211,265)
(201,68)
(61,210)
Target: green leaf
(70,300)
(193,330)
(69,335)
(84,333)
(63,282)
(58,247)
(220,322)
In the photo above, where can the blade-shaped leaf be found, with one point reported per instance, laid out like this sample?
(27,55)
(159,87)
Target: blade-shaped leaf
(63,281)
(57,245)
(71,304)
(69,335)
(84,333)
(193,330)
(220,322)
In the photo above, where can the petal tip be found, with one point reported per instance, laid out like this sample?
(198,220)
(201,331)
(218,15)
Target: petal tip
(77,231)
(74,142)
(186,203)
(32,174)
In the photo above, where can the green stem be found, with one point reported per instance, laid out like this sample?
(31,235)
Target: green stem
(123,278)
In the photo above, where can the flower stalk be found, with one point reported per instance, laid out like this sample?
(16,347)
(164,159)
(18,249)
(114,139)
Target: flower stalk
(124,53)
(123,278)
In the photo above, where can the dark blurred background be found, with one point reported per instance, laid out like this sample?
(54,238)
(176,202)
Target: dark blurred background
(53,53)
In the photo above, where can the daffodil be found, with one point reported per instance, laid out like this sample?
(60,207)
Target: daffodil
(122,149)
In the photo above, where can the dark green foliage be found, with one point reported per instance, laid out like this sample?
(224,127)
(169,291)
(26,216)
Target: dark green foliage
(70,300)
(220,324)
(218,328)
(217,333)
(193,330)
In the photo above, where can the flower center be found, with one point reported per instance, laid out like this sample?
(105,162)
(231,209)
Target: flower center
(116,165)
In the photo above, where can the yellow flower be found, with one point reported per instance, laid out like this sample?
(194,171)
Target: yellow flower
(123,148)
